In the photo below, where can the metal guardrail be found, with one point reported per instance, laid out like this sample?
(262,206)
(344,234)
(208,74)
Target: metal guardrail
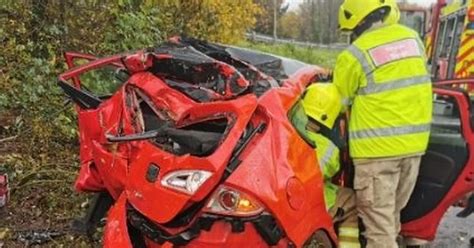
(269,39)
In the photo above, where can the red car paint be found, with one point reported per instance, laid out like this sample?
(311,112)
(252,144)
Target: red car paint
(116,234)
(284,162)
(426,227)
(278,167)
(4,190)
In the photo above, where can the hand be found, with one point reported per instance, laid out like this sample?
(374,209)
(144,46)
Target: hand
(324,75)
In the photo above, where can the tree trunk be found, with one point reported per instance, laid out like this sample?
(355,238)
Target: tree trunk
(320,21)
(330,21)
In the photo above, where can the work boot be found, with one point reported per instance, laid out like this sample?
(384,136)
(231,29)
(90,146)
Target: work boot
(410,242)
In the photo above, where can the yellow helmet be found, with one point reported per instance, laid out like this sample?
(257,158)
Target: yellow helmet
(394,15)
(322,102)
(352,12)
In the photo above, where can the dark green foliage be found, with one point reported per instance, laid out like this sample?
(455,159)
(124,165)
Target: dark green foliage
(41,154)
(38,132)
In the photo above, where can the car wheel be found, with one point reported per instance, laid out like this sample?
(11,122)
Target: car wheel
(319,239)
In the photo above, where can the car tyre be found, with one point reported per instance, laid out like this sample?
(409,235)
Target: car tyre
(319,239)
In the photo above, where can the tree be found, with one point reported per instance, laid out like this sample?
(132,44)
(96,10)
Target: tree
(34,34)
(264,22)
(290,25)
(218,20)
(319,20)
(223,21)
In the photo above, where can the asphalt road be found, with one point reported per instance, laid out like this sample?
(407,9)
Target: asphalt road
(454,232)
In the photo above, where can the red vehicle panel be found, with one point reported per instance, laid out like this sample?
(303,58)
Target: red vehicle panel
(197,150)
(456,169)
(257,137)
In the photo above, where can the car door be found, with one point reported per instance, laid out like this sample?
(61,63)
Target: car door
(93,85)
(447,169)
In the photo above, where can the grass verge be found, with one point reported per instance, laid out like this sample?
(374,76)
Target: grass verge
(315,56)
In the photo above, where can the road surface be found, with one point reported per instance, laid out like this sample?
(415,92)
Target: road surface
(454,232)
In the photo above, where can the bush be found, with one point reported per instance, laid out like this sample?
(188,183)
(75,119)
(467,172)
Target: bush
(36,34)
(42,161)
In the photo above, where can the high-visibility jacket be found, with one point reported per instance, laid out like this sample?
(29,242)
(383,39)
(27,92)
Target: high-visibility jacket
(328,158)
(384,76)
(326,152)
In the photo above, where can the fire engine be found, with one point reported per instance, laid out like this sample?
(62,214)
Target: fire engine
(448,30)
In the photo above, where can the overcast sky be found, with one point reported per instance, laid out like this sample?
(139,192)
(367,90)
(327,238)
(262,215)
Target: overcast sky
(294,3)
(422,2)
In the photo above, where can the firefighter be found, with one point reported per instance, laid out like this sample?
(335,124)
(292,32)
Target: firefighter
(322,104)
(383,78)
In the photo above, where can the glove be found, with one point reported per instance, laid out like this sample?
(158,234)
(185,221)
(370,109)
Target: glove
(324,75)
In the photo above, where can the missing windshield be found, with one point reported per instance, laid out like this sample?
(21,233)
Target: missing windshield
(198,137)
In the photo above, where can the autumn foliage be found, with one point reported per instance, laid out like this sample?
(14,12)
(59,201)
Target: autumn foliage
(38,136)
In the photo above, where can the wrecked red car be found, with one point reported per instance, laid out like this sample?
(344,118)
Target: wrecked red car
(193,143)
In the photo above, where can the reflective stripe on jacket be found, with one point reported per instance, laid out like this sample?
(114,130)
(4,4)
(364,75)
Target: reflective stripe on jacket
(328,159)
(348,237)
(383,74)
